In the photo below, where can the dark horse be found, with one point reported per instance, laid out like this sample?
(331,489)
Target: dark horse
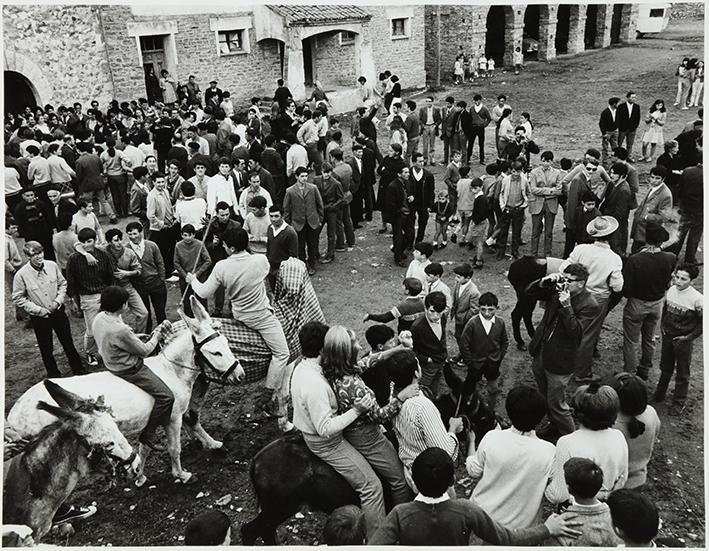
(286,475)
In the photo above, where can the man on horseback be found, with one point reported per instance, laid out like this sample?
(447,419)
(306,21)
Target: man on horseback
(243,277)
(123,352)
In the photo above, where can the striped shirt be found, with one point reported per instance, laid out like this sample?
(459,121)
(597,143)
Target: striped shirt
(419,427)
(83,279)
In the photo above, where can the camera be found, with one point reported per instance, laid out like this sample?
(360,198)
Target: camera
(562,285)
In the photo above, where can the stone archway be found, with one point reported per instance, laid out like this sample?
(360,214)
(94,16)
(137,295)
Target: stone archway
(561,41)
(16,62)
(532,28)
(500,34)
(19,92)
(591,28)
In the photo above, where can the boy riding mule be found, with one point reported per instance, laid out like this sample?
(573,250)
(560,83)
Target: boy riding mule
(199,350)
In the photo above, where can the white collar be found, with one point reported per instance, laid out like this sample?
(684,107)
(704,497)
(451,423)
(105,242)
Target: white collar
(432,500)
(280,229)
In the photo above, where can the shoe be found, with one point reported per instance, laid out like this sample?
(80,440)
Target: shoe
(325,260)
(521,346)
(172,279)
(311,271)
(152,443)
(462,243)
(454,238)
(357,226)
(593,378)
(113,220)
(596,353)
(91,360)
(479,265)
(442,245)
(383,231)
(340,249)
(515,255)
(350,249)
(73,513)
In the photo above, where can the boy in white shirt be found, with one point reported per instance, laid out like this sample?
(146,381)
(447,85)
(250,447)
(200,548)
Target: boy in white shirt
(490,67)
(221,188)
(422,254)
(85,218)
(256,223)
(191,209)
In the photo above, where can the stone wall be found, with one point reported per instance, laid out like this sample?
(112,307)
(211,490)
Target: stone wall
(60,50)
(687,11)
(334,64)
(244,75)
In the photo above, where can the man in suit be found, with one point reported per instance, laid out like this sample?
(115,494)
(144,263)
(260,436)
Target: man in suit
(616,203)
(356,206)
(252,144)
(429,340)
(465,298)
(448,120)
(397,205)
(421,187)
(479,120)
(369,174)
(303,209)
(656,206)
(430,121)
(461,128)
(608,123)
(570,309)
(545,190)
(628,118)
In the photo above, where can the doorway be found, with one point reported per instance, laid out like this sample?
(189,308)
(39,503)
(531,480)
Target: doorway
(530,38)
(152,48)
(495,34)
(308,45)
(615,23)
(19,92)
(563,19)
(591,30)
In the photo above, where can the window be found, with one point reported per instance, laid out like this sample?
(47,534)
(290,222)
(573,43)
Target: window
(231,42)
(152,43)
(657,12)
(400,27)
(347,37)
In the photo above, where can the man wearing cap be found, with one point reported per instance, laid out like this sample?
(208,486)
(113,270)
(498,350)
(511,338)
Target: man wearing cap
(646,278)
(605,275)
(213,96)
(40,289)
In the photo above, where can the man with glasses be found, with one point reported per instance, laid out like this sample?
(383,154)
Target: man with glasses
(579,182)
(569,311)
(40,290)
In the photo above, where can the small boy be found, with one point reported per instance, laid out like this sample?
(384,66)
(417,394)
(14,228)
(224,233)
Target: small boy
(478,229)
(13,261)
(422,258)
(483,345)
(406,311)
(443,209)
(585,212)
(635,518)
(434,273)
(465,204)
(85,218)
(490,67)
(451,177)
(209,528)
(64,240)
(518,59)
(482,65)
(465,298)
(187,252)
(345,526)
(191,209)
(256,224)
(681,324)
(584,479)
(434,519)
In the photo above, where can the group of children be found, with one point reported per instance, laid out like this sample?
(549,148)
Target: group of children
(467,67)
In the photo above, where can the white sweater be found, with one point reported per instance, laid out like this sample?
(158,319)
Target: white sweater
(607,448)
(514,468)
(639,448)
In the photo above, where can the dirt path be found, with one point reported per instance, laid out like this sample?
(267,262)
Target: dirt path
(564,100)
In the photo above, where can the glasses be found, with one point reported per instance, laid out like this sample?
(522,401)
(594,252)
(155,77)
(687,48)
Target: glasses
(571,280)
(592,168)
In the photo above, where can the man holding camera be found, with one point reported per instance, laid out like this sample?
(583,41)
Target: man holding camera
(569,311)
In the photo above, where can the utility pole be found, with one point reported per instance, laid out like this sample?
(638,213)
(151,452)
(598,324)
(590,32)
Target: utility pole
(438,46)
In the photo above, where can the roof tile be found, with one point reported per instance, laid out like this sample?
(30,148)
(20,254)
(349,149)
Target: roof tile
(319,13)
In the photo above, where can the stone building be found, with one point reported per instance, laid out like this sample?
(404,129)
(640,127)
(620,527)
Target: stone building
(61,53)
(543,31)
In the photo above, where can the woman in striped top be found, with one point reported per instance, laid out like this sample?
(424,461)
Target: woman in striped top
(338,359)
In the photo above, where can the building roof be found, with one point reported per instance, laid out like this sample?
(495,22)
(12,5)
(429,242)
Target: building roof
(319,14)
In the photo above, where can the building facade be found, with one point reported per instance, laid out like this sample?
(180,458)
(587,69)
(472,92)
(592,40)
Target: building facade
(60,53)
(542,31)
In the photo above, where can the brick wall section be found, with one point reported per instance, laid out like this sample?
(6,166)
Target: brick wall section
(334,64)
(603,25)
(629,23)
(687,11)
(403,57)
(244,75)
(547,32)
(65,43)
(577,28)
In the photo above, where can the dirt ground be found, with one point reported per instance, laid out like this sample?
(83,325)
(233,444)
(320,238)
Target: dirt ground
(564,99)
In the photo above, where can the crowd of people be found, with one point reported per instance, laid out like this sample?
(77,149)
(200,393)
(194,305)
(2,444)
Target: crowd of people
(219,198)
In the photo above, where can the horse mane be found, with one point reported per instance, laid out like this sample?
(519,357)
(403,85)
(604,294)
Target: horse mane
(40,472)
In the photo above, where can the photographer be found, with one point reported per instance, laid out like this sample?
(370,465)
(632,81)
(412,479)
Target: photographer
(520,147)
(570,308)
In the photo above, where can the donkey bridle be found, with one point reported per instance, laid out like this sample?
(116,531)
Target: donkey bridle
(205,366)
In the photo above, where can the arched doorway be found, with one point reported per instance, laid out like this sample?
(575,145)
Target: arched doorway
(19,92)
(530,37)
(591,31)
(615,23)
(495,34)
(563,19)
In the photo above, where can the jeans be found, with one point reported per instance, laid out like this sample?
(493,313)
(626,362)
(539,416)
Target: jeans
(691,226)
(314,157)
(640,319)
(142,377)
(398,221)
(267,325)
(331,228)
(459,142)
(428,135)
(683,88)
(431,376)
(90,306)
(309,237)
(346,460)
(589,339)
(56,322)
(446,149)
(627,136)
(675,355)
(569,242)
(543,220)
(479,133)
(166,239)
(422,216)
(609,142)
(158,298)
(697,89)
(99,196)
(345,228)
(380,453)
(511,217)
(412,146)
(119,191)
(553,388)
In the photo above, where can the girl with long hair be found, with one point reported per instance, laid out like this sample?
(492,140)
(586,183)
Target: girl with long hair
(655,121)
(505,130)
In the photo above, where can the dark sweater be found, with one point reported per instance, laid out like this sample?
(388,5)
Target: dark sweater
(478,348)
(451,522)
(89,173)
(480,209)
(281,247)
(482,118)
(691,190)
(426,345)
(646,276)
